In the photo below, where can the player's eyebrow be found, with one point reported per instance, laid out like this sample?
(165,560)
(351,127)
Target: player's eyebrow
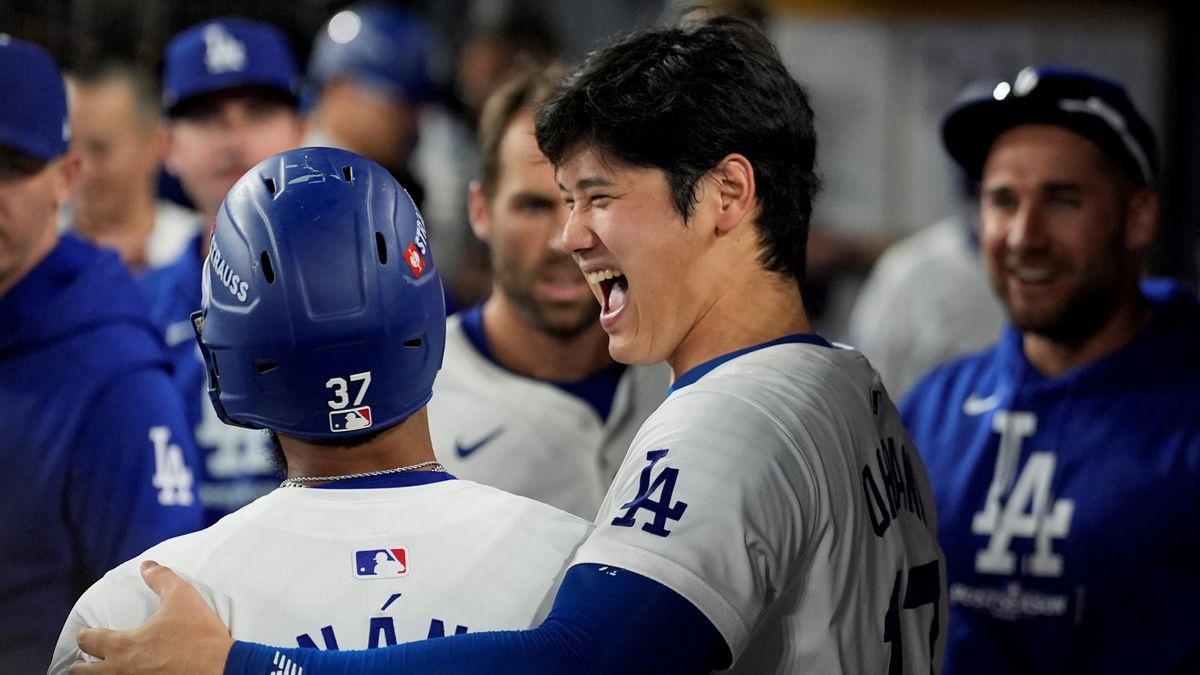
(1061,188)
(524,198)
(588,182)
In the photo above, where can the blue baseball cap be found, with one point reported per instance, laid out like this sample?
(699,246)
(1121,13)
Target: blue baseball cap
(1095,107)
(227,53)
(33,111)
(383,46)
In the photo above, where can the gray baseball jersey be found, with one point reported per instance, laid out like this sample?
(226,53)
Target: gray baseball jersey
(530,437)
(778,492)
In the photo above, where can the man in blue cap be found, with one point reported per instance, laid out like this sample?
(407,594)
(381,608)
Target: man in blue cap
(98,460)
(1065,458)
(370,72)
(230,90)
(371,90)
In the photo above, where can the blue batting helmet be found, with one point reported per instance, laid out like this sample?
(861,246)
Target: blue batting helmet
(323,312)
(382,46)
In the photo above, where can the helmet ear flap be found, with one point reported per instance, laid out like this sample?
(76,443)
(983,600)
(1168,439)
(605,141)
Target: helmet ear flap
(212,374)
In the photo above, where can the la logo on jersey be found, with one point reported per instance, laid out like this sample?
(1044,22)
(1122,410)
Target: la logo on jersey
(648,487)
(1030,511)
(172,477)
(380,563)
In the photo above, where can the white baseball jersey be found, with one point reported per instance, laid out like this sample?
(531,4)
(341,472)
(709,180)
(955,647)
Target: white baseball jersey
(355,568)
(780,495)
(530,437)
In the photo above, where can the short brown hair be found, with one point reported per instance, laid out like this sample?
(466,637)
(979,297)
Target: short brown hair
(525,90)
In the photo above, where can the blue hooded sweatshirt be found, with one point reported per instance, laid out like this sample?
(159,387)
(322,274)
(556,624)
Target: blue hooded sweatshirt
(97,460)
(1069,506)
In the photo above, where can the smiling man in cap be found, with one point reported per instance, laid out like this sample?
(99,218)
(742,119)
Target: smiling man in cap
(97,460)
(230,88)
(1065,458)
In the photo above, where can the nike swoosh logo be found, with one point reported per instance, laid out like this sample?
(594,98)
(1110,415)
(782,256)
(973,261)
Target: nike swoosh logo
(465,451)
(975,405)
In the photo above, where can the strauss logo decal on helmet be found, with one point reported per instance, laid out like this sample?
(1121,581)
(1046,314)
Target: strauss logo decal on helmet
(229,279)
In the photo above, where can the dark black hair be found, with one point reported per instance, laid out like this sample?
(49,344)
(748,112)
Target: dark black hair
(680,100)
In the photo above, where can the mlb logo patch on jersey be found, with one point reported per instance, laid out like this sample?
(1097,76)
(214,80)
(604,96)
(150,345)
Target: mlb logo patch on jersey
(350,420)
(380,563)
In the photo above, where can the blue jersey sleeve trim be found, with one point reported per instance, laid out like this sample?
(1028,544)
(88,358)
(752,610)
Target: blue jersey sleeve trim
(604,620)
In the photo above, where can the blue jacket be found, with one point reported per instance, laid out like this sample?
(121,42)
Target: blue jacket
(97,461)
(236,463)
(1069,507)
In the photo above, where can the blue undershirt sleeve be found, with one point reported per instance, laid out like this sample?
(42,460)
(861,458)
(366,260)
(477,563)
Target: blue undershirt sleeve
(604,620)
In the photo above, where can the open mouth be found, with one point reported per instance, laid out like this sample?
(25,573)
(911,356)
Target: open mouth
(613,287)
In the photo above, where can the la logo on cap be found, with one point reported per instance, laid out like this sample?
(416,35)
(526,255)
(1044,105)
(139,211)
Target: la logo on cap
(222,51)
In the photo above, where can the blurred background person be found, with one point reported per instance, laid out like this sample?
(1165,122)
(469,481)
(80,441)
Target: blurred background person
(372,90)
(1064,459)
(370,78)
(926,300)
(98,462)
(230,89)
(529,399)
(494,47)
(118,134)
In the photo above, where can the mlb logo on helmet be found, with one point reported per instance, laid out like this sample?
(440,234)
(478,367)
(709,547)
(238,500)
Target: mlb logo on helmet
(350,420)
(380,563)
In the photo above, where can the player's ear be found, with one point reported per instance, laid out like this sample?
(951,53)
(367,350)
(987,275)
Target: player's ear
(477,211)
(733,179)
(67,176)
(1141,219)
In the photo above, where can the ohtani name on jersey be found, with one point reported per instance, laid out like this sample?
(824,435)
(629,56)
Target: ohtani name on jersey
(899,486)
(233,282)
